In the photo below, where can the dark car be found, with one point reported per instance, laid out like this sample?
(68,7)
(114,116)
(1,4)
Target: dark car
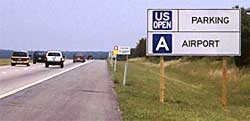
(20,57)
(78,57)
(90,57)
(39,56)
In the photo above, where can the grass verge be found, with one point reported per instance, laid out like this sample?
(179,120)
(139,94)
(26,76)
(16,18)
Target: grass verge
(4,62)
(193,90)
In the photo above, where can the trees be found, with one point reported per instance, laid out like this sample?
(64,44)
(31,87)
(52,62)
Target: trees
(244,59)
(141,48)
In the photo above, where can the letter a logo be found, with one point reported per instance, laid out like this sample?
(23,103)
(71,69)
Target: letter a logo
(162,43)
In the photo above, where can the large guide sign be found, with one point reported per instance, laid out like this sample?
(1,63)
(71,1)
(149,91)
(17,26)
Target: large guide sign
(197,32)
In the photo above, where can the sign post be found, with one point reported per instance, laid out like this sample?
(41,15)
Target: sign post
(110,58)
(125,71)
(115,64)
(162,84)
(224,87)
(193,32)
(111,61)
(115,52)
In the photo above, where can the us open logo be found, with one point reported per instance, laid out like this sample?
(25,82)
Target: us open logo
(162,20)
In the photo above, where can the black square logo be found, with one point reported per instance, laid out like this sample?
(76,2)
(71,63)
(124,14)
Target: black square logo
(162,20)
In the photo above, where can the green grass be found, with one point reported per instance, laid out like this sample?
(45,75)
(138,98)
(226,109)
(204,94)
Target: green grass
(192,93)
(4,62)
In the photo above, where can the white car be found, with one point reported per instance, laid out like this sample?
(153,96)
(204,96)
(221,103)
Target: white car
(54,58)
(20,57)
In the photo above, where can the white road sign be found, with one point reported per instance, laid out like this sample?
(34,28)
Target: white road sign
(200,32)
(124,50)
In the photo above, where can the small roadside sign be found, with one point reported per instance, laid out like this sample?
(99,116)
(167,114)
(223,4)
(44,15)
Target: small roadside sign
(114,52)
(124,50)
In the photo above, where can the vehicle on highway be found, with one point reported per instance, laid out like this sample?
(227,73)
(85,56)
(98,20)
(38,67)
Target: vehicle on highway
(90,57)
(39,56)
(54,58)
(78,57)
(20,57)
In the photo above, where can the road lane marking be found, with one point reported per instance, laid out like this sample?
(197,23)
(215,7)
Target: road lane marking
(4,72)
(16,70)
(42,80)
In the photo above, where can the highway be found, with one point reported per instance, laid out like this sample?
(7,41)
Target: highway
(78,92)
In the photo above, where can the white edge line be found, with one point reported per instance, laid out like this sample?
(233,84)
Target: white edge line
(40,81)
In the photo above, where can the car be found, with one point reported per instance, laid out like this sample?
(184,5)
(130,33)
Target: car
(78,57)
(90,57)
(20,57)
(39,56)
(54,58)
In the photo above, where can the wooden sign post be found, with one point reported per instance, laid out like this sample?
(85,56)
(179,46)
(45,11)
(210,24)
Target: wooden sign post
(162,84)
(224,85)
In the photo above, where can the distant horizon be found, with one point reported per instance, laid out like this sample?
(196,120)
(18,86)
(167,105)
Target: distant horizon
(55,49)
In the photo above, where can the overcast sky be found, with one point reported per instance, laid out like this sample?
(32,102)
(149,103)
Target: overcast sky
(88,25)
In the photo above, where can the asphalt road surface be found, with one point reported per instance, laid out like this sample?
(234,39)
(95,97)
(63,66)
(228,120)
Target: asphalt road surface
(82,94)
(18,76)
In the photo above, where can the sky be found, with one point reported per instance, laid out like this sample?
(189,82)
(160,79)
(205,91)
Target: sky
(84,25)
